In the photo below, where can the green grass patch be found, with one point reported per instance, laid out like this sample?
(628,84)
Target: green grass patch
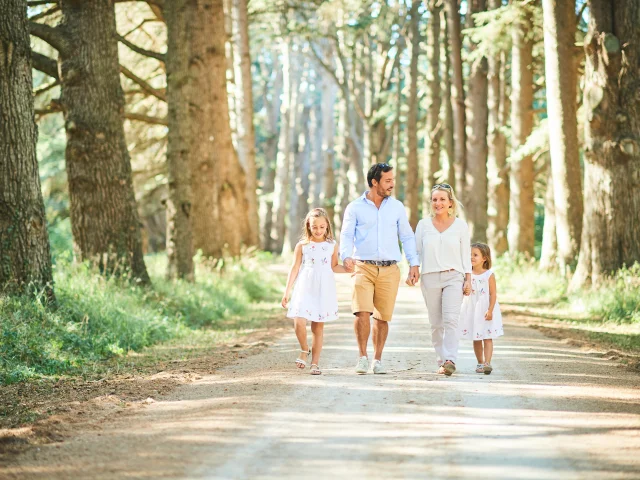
(97,319)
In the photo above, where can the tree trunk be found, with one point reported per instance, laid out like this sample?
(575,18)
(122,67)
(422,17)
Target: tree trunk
(401,172)
(413,176)
(180,95)
(457,98)
(497,176)
(299,181)
(549,237)
(433,127)
(221,222)
(561,80)
(317,157)
(25,258)
(287,127)
(246,131)
(611,224)
(521,211)
(477,125)
(447,114)
(329,97)
(268,175)
(104,217)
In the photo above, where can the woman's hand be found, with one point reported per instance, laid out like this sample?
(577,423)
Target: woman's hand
(488,316)
(466,288)
(285,300)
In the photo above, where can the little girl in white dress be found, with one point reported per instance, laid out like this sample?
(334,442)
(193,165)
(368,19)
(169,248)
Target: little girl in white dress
(314,296)
(480,318)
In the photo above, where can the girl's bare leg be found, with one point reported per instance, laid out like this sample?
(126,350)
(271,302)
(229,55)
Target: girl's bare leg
(317,330)
(477,349)
(300,326)
(488,350)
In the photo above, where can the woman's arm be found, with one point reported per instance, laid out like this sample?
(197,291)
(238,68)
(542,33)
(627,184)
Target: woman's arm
(334,262)
(293,274)
(493,296)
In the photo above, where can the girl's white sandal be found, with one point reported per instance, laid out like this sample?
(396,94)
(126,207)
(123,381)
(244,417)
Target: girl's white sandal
(302,363)
(316,370)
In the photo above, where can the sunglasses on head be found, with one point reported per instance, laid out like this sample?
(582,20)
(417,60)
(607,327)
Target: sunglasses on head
(441,185)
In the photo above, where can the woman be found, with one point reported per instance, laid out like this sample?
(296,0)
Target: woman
(444,248)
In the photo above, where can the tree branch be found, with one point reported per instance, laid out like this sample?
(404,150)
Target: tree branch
(46,88)
(159,94)
(139,50)
(144,118)
(45,64)
(54,36)
(35,3)
(324,65)
(46,13)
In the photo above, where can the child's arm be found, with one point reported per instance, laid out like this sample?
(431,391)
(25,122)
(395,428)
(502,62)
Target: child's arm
(334,262)
(493,296)
(293,274)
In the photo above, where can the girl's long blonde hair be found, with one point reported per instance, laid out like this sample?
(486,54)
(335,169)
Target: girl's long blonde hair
(456,206)
(306,228)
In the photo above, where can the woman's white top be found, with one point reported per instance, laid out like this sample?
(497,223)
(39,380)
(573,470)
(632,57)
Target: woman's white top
(448,250)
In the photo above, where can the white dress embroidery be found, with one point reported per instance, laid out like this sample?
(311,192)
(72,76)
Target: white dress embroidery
(472,325)
(314,294)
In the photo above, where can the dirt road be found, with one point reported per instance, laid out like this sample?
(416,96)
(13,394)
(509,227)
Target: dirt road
(548,411)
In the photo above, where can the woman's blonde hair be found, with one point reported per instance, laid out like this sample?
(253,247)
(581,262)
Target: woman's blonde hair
(306,229)
(456,206)
(485,251)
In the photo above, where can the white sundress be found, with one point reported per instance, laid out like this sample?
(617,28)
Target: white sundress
(314,294)
(472,325)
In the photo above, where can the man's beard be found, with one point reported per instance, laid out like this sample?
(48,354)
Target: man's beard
(384,193)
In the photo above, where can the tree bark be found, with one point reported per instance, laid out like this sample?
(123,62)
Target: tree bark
(104,217)
(477,149)
(180,95)
(433,126)
(549,249)
(497,176)
(561,80)
(611,224)
(268,174)
(317,157)
(299,181)
(447,114)
(521,208)
(246,130)
(457,98)
(25,257)
(329,97)
(413,176)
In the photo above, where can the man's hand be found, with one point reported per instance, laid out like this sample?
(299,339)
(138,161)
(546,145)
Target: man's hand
(348,264)
(414,274)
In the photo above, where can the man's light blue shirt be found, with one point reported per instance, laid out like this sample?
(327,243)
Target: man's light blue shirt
(369,233)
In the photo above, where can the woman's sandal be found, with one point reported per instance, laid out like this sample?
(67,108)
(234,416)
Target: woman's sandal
(480,368)
(316,370)
(302,364)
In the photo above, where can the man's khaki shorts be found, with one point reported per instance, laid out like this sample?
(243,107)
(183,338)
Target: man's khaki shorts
(375,290)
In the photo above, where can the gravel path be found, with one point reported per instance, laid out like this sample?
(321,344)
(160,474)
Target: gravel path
(548,411)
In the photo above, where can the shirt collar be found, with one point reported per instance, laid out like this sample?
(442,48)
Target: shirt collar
(364,197)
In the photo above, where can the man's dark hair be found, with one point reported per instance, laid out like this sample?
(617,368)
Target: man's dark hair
(375,172)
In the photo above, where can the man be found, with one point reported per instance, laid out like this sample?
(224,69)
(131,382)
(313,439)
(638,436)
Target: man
(371,228)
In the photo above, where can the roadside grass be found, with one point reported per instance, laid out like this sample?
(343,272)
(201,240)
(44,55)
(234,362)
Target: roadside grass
(608,315)
(99,323)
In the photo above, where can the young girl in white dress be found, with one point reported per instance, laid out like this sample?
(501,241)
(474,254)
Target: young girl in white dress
(480,318)
(314,299)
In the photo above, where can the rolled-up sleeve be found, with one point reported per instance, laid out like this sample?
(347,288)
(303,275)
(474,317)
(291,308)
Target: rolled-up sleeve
(465,248)
(347,233)
(408,239)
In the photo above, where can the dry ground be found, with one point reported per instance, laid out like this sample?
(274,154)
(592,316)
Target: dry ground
(550,410)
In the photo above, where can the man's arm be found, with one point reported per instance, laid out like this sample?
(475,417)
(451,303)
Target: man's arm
(347,233)
(408,239)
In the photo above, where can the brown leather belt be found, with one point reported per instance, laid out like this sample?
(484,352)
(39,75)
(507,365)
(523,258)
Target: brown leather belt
(379,263)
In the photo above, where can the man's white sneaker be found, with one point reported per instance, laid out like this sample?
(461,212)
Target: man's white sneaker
(362,366)
(378,367)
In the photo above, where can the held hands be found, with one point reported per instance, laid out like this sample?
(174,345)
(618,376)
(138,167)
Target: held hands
(488,316)
(466,289)
(414,276)
(348,264)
